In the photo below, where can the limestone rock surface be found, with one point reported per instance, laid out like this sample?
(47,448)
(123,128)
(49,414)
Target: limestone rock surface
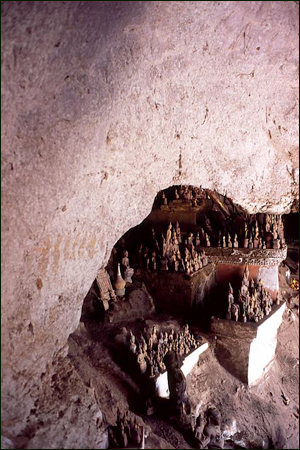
(103,105)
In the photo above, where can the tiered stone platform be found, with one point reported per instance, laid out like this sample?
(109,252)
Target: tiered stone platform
(176,292)
(246,256)
(247,349)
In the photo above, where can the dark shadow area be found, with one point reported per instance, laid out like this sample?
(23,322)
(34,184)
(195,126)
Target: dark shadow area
(291,228)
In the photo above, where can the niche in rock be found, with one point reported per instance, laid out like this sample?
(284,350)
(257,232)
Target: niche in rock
(199,272)
(182,257)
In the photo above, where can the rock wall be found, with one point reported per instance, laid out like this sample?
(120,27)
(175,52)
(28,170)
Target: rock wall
(103,105)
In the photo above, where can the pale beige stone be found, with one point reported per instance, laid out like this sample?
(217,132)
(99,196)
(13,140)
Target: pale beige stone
(103,105)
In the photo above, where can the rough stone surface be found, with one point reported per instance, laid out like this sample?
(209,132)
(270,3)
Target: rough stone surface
(103,105)
(66,416)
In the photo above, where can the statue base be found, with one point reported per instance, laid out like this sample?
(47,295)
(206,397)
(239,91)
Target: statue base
(128,274)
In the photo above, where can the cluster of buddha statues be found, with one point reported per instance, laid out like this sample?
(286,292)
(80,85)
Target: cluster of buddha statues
(189,194)
(184,252)
(270,234)
(252,231)
(274,225)
(173,253)
(252,303)
(128,431)
(152,346)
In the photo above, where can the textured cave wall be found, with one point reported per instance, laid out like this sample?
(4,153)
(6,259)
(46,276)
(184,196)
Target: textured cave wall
(103,105)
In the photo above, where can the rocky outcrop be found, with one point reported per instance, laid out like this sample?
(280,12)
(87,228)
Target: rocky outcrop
(103,105)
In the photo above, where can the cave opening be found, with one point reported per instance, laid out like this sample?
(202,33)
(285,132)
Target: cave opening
(203,222)
(199,274)
(105,106)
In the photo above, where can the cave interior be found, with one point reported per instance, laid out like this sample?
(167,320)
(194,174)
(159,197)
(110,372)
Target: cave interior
(149,224)
(166,289)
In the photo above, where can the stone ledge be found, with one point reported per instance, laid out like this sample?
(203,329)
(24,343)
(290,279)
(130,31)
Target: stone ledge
(247,349)
(246,256)
(227,327)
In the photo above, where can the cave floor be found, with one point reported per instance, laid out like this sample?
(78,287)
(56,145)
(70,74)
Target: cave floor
(265,415)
